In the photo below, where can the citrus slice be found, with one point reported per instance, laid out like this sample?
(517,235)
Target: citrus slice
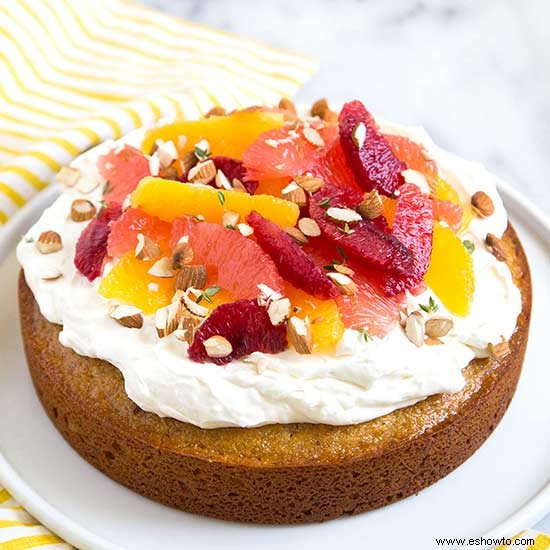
(169,200)
(129,283)
(227,135)
(451,271)
(446,192)
(412,155)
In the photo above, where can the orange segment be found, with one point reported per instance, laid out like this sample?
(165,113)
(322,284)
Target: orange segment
(273,186)
(169,200)
(130,283)
(326,322)
(451,271)
(446,192)
(390,206)
(227,135)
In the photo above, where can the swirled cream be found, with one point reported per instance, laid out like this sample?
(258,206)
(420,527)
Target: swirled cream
(361,381)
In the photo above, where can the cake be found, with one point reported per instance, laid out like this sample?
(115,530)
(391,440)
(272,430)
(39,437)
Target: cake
(273,317)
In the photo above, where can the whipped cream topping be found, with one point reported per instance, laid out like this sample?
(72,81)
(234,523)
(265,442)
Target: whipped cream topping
(361,381)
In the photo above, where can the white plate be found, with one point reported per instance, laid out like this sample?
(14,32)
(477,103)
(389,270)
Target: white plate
(502,489)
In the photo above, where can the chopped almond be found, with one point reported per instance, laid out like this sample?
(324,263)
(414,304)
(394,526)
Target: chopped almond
(146,248)
(187,161)
(127,316)
(217,346)
(245,230)
(309,227)
(49,242)
(167,319)
(344,269)
(297,236)
(482,204)
(68,176)
(293,193)
(313,136)
(346,215)
(310,184)
(204,172)
(278,311)
(437,327)
(415,328)
(299,334)
(182,255)
(221,181)
(238,186)
(343,282)
(82,210)
(371,206)
(202,149)
(359,135)
(162,268)
(230,219)
(287,105)
(216,111)
(191,276)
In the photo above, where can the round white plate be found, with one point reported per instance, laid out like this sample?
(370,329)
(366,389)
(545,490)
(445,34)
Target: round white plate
(502,489)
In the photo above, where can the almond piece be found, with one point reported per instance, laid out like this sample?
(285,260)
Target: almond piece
(162,268)
(187,161)
(436,327)
(359,135)
(68,176)
(167,319)
(188,327)
(238,186)
(371,206)
(287,105)
(182,255)
(245,230)
(431,341)
(500,351)
(49,242)
(191,276)
(309,227)
(415,329)
(295,194)
(217,346)
(495,247)
(215,111)
(146,248)
(169,173)
(313,136)
(344,269)
(343,282)
(482,204)
(82,210)
(278,311)
(50,273)
(154,164)
(202,149)
(127,316)
(346,215)
(320,108)
(310,184)
(221,181)
(231,219)
(204,172)
(166,152)
(297,236)
(190,305)
(299,334)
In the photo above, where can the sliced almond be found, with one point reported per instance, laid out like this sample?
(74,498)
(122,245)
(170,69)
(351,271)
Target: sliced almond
(267,294)
(343,282)
(431,341)
(482,204)
(297,236)
(415,328)
(500,351)
(146,248)
(313,136)
(359,135)
(204,172)
(238,186)
(154,164)
(182,255)
(217,346)
(82,210)
(167,319)
(309,184)
(221,181)
(202,149)
(278,311)
(495,247)
(231,219)
(309,227)
(371,206)
(50,273)
(436,327)
(162,268)
(344,269)
(287,105)
(346,215)
(191,276)
(188,326)
(49,242)
(127,316)
(187,161)
(295,194)
(191,306)
(299,334)
(216,111)
(68,176)
(245,230)
(167,152)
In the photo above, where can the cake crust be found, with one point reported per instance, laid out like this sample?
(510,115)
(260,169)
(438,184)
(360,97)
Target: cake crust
(291,473)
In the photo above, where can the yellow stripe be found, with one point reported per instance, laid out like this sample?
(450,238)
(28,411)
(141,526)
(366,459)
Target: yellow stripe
(134,115)
(27,175)
(71,148)
(177,106)
(115,126)
(23,543)
(89,133)
(13,523)
(4,495)
(13,152)
(3,217)
(157,113)
(26,123)
(51,163)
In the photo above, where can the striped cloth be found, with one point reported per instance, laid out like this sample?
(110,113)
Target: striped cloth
(74,72)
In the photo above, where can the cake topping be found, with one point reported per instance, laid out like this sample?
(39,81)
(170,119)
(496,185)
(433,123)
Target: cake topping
(278,311)
(82,210)
(203,172)
(68,176)
(217,346)
(49,242)
(299,334)
(146,248)
(482,204)
(182,253)
(294,193)
(371,206)
(437,327)
(310,184)
(309,227)
(191,276)
(415,328)
(499,351)
(127,316)
(343,282)
(162,268)
(297,236)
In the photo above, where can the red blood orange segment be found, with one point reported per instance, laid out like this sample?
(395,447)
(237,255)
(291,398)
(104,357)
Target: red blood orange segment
(234,169)
(247,327)
(227,135)
(368,153)
(124,232)
(129,283)
(292,262)
(237,263)
(169,200)
(122,168)
(412,155)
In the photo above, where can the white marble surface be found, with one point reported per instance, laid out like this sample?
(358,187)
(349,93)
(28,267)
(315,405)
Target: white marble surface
(475,74)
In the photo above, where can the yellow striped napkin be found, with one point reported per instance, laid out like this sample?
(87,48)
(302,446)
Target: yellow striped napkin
(74,72)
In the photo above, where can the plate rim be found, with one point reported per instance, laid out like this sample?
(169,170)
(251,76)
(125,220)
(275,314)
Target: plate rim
(532,511)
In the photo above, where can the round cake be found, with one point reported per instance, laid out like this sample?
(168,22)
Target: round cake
(317,317)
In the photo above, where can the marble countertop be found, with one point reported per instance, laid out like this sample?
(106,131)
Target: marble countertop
(475,74)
